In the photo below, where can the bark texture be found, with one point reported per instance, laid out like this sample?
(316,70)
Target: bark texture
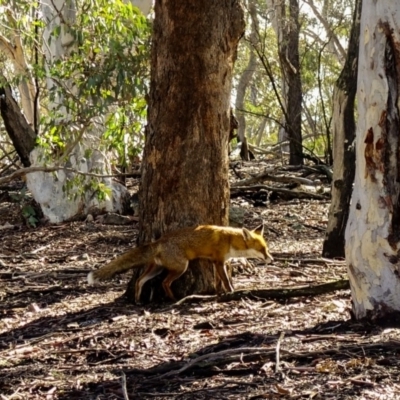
(185,163)
(20,132)
(372,234)
(344,130)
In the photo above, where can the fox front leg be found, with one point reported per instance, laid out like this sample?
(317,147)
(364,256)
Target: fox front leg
(220,267)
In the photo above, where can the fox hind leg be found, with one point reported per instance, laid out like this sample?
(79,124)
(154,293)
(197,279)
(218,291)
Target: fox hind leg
(150,272)
(179,268)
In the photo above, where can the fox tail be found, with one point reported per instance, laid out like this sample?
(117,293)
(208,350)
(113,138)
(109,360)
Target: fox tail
(133,258)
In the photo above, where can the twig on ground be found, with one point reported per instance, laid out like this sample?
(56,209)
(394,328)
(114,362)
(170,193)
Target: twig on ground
(123,386)
(196,297)
(278,347)
(310,260)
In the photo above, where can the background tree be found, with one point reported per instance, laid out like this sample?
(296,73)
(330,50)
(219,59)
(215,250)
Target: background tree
(290,61)
(344,130)
(372,234)
(70,69)
(324,26)
(185,163)
(245,80)
(111,101)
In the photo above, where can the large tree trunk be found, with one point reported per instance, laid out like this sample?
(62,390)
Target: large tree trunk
(185,163)
(344,128)
(373,230)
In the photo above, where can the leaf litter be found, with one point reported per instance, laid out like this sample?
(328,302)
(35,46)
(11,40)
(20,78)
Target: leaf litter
(63,339)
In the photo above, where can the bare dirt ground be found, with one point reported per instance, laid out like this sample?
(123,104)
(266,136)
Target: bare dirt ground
(62,339)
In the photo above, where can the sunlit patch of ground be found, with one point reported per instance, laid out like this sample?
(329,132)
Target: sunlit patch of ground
(61,339)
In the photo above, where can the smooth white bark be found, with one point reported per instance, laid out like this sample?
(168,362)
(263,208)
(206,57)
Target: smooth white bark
(371,248)
(50,190)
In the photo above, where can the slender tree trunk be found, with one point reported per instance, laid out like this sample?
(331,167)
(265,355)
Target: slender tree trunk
(185,163)
(278,13)
(344,128)
(20,132)
(244,82)
(287,26)
(295,96)
(373,230)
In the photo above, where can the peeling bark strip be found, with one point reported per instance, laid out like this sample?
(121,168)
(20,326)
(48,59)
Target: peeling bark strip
(373,231)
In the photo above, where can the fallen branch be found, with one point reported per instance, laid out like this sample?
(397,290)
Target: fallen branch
(266,176)
(29,170)
(299,194)
(287,293)
(252,354)
(209,359)
(319,260)
(275,294)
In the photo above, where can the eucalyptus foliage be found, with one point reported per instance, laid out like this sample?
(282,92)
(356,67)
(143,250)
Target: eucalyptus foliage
(103,80)
(321,64)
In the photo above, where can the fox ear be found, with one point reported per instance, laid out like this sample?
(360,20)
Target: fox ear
(246,234)
(259,230)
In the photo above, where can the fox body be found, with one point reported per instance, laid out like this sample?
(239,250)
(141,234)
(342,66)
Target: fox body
(174,250)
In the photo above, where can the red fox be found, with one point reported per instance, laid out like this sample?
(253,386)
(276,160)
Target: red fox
(174,250)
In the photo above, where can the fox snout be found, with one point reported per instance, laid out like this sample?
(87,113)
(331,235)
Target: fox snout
(267,257)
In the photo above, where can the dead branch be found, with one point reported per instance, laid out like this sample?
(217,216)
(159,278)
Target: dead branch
(266,176)
(247,354)
(287,293)
(29,170)
(275,294)
(299,194)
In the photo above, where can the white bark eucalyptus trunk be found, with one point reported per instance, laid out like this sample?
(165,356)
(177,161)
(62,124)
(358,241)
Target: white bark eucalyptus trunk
(63,196)
(373,230)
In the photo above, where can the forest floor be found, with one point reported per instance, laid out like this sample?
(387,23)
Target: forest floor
(63,339)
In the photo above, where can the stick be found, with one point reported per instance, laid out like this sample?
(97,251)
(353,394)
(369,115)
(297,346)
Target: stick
(123,386)
(278,347)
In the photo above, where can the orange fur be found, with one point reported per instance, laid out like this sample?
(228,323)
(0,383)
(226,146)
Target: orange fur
(174,250)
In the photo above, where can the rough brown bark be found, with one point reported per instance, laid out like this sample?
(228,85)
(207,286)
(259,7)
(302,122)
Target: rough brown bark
(20,132)
(185,163)
(344,129)
(290,61)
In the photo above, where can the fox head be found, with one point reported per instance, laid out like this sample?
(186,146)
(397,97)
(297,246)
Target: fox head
(256,243)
